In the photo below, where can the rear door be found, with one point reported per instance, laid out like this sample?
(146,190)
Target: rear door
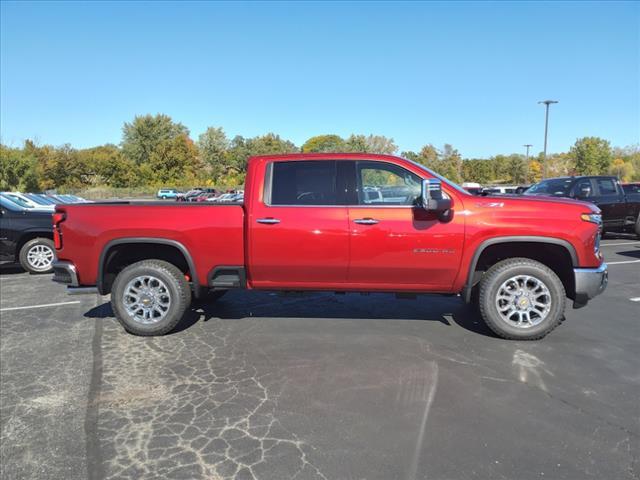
(298,230)
(611,201)
(396,245)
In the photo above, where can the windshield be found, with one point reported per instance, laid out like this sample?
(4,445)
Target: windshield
(17,200)
(37,199)
(559,187)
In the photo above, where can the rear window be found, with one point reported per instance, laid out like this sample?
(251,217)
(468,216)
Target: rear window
(303,183)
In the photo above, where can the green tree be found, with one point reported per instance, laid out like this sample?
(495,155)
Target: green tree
(172,162)
(213,145)
(145,133)
(110,167)
(450,164)
(17,169)
(371,144)
(591,156)
(477,170)
(324,143)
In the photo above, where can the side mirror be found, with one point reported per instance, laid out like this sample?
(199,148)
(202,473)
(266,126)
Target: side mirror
(432,199)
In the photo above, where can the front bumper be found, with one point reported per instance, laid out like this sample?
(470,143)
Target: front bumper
(589,282)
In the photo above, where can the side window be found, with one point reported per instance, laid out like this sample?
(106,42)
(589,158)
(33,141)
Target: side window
(303,183)
(386,184)
(606,186)
(583,189)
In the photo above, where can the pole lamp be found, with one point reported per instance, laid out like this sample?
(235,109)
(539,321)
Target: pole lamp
(546,128)
(526,175)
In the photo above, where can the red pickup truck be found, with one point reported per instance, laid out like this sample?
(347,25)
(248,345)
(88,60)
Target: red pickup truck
(337,222)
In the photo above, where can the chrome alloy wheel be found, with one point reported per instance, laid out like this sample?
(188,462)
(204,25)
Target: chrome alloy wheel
(146,299)
(40,257)
(523,301)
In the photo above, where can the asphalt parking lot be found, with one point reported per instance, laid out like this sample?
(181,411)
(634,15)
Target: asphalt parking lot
(318,387)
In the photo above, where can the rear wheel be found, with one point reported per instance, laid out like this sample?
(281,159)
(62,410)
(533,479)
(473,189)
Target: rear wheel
(37,255)
(638,226)
(150,297)
(521,299)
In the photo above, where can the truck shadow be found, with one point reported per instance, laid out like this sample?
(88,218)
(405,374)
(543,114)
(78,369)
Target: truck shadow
(238,305)
(631,253)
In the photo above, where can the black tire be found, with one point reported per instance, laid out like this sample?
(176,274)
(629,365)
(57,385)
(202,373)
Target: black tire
(638,226)
(177,289)
(34,253)
(503,271)
(164,197)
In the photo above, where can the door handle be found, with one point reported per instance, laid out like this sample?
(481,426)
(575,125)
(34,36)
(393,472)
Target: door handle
(366,221)
(268,221)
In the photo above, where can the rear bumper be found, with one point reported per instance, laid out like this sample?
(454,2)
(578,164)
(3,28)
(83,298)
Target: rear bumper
(65,272)
(589,282)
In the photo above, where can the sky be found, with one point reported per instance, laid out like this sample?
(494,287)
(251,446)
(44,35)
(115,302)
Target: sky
(465,73)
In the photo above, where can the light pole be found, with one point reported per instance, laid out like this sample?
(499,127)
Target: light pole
(526,175)
(546,128)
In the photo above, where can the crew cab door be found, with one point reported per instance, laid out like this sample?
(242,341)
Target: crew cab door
(299,230)
(395,244)
(610,199)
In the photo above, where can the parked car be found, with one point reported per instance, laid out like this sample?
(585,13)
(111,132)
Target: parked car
(202,192)
(26,237)
(499,190)
(41,199)
(205,196)
(25,201)
(182,197)
(620,211)
(165,193)
(305,225)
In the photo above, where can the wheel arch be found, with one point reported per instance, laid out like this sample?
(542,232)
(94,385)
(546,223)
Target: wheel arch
(517,247)
(117,246)
(30,235)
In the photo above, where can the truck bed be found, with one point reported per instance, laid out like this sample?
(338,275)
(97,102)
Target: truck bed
(211,234)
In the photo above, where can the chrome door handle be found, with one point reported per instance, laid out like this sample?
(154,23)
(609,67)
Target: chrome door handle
(268,221)
(366,221)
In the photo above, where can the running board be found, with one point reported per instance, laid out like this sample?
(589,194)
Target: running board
(226,277)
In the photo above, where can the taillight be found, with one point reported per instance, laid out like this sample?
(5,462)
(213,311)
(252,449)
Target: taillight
(58,218)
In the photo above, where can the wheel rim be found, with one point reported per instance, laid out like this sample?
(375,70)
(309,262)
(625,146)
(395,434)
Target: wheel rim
(40,257)
(146,299)
(523,301)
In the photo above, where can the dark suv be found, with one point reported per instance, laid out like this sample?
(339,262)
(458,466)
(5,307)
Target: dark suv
(26,237)
(620,210)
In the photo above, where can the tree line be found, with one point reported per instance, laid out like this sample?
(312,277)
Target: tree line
(156,151)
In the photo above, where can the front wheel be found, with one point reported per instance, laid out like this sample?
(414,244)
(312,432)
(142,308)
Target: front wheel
(521,299)
(150,297)
(37,255)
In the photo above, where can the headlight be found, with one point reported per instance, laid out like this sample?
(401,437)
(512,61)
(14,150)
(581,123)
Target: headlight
(592,217)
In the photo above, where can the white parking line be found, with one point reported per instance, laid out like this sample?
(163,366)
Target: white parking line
(38,306)
(620,263)
(635,299)
(616,244)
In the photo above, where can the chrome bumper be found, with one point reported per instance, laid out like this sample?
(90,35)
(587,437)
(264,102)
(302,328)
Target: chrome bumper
(589,282)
